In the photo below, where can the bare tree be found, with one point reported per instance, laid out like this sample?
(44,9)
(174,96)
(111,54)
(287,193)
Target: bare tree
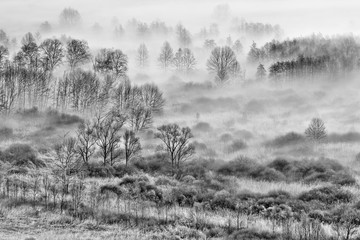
(184,60)
(142,56)
(177,142)
(70,17)
(316,130)
(77,53)
(52,53)
(131,145)
(86,141)
(65,161)
(221,63)
(107,130)
(139,117)
(4,54)
(166,56)
(111,61)
(8,87)
(152,98)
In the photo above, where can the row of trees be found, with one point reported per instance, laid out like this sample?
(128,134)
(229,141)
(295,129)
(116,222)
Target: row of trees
(308,56)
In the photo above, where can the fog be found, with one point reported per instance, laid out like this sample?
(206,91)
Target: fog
(296,17)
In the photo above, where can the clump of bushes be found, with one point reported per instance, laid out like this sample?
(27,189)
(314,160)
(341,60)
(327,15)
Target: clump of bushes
(21,155)
(329,195)
(56,118)
(99,170)
(254,233)
(321,170)
(288,139)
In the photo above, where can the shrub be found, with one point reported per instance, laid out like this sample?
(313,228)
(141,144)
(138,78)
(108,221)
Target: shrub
(329,195)
(22,155)
(165,181)
(223,200)
(279,164)
(188,179)
(158,162)
(28,113)
(290,138)
(252,233)
(99,170)
(185,196)
(202,127)
(267,174)
(122,170)
(55,118)
(240,167)
(236,145)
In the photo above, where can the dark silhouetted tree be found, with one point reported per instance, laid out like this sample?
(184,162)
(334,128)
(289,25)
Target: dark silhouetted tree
(111,62)
(77,53)
(177,143)
(52,53)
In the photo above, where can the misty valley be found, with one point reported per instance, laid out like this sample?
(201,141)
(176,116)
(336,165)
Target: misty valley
(117,124)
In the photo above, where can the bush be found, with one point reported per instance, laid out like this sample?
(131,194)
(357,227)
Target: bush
(243,134)
(55,118)
(156,163)
(253,233)
(267,174)
(236,145)
(279,164)
(122,170)
(28,113)
(241,166)
(202,127)
(22,155)
(223,200)
(99,170)
(165,181)
(290,138)
(327,195)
